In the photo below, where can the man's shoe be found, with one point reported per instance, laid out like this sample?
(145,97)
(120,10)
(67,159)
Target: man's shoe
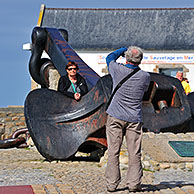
(135,188)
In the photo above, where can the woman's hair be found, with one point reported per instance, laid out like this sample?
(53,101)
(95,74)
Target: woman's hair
(71,63)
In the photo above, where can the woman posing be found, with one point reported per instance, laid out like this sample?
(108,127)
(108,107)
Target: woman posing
(73,84)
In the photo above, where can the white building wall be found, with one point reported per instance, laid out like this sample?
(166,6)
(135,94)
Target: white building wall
(97,61)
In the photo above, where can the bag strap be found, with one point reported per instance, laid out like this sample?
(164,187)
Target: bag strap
(73,87)
(120,84)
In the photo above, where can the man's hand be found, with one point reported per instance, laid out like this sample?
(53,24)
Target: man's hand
(77,96)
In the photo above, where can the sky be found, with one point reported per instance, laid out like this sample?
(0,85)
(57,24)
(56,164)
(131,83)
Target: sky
(18,18)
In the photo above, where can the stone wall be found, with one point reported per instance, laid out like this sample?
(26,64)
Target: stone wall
(11,119)
(53,79)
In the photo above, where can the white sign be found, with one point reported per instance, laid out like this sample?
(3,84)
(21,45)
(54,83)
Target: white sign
(168,58)
(155,58)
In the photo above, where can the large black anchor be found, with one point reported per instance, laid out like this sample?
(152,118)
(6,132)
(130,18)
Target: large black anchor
(60,126)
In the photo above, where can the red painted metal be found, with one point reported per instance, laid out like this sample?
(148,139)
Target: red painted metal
(23,189)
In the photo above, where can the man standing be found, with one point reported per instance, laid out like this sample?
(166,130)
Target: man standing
(186,86)
(125,117)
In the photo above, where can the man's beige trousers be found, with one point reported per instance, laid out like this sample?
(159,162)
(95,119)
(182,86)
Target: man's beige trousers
(115,131)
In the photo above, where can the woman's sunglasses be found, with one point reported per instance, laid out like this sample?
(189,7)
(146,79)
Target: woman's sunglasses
(72,69)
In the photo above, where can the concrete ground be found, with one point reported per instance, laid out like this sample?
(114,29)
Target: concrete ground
(25,171)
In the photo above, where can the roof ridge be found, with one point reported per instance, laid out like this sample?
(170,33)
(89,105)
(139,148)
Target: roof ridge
(191,8)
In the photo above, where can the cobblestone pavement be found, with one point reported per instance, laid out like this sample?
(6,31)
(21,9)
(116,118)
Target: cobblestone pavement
(28,167)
